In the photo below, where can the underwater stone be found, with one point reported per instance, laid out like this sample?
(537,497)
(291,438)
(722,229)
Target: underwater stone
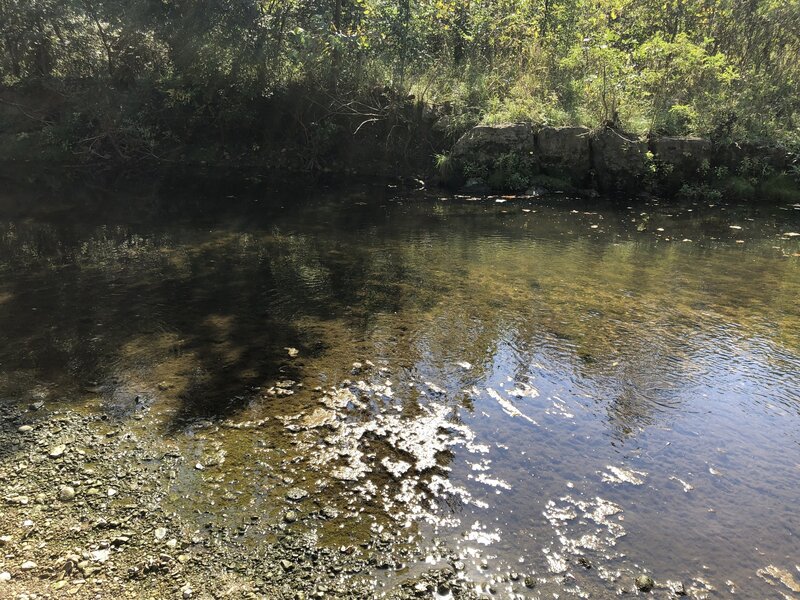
(645,583)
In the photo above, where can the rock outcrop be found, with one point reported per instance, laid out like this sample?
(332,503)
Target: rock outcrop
(484,143)
(676,158)
(513,156)
(564,151)
(619,160)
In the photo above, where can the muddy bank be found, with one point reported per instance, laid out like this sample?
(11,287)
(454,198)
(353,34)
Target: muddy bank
(520,157)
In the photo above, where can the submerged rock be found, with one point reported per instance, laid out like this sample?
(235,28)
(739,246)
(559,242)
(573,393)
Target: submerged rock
(319,418)
(645,583)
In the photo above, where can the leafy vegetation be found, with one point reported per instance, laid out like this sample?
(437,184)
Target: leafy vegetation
(754,179)
(123,78)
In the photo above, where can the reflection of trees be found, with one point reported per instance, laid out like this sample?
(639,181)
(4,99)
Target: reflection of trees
(230,284)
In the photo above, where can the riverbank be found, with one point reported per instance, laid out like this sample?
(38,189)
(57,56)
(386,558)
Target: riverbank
(380,134)
(85,515)
(298,132)
(517,157)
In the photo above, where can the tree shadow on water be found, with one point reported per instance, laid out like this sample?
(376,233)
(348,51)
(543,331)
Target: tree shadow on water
(131,312)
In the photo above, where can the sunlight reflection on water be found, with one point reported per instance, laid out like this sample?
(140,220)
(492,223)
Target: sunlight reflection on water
(572,403)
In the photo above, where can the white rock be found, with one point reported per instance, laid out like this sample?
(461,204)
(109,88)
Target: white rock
(57,451)
(101,556)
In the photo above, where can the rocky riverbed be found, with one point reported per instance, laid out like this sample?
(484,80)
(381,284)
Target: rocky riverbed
(83,517)
(97,506)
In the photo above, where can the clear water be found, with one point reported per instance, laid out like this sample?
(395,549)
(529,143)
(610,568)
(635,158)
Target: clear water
(556,384)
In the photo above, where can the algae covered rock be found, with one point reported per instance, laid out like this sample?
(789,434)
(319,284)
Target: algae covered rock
(645,583)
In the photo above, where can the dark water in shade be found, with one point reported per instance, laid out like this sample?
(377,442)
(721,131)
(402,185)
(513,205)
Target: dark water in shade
(611,383)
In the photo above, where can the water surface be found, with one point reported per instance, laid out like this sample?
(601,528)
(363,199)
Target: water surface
(577,392)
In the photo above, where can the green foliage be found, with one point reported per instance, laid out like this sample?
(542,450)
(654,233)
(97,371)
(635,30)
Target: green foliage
(511,172)
(449,172)
(738,188)
(145,74)
(702,191)
(680,119)
(475,171)
(780,188)
(766,186)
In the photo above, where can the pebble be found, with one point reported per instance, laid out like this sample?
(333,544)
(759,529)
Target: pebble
(66,493)
(296,494)
(161,533)
(28,565)
(57,451)
(676,587)
(101,556)
(329,512)
(25,429)
(290,516)
(5,576)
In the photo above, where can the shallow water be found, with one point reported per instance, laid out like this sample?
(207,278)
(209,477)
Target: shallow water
(576,391)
